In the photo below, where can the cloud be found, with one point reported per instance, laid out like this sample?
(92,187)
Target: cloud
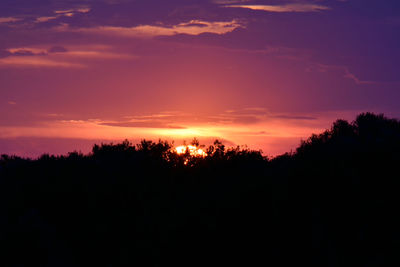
(35,61)
(9,19)
(62,13)
(58,56)
(45,19)
(83,10)
(93,129)
(346,73)
(256,116)
(65,12)
(171,120)
(226,2)
(163,120)
(26,51)
(97,55)
(294,117)
(193,27)
(353,77)
(57,49)
(296,7)
(143,124)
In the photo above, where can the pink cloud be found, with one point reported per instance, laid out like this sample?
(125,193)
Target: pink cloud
(45,19)
(9,19)
(193,27)
(284,8)
(36,61)
(60,57)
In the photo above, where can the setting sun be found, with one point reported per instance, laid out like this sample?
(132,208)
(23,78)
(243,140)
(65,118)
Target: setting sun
(158,133)
(193,150)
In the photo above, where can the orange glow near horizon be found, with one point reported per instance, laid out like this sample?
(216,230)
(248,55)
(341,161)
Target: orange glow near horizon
(274,136)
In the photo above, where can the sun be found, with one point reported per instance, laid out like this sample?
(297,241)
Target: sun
(193,151)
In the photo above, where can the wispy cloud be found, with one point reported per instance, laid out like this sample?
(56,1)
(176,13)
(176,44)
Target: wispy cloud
(193,27)
(296,7)
(83,10)
(72,10)
(346,73)
(239,117)
(97,54)
(256,115)
(9,19)
(68,12)
(353,77)
(49,17)
(143,124)
(59,56)
(45,19)
(226,2)
(62,13)
(36,61)
(28,51)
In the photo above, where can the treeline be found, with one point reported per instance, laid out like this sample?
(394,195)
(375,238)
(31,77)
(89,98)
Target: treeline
(332,202)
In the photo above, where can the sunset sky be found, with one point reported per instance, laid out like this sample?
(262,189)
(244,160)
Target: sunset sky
(262,73)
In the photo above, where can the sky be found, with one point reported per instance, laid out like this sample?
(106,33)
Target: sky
(266,74)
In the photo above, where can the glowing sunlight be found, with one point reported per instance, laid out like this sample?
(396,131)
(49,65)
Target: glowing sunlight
(193,150)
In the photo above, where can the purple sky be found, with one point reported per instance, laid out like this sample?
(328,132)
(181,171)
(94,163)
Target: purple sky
(261,73)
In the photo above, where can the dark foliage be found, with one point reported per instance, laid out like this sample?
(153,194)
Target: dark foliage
(333,202)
